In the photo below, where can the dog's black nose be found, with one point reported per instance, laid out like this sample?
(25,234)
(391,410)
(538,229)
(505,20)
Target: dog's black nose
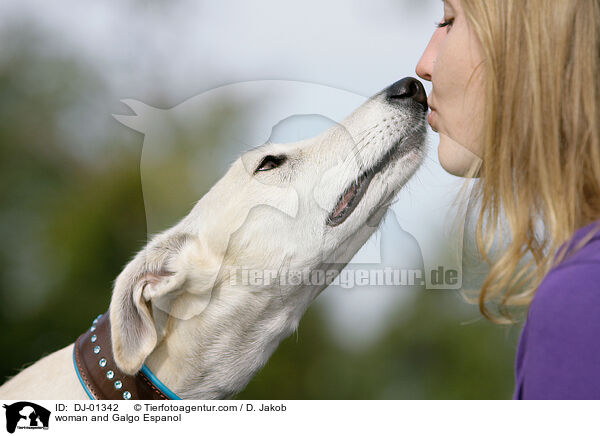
(406,88)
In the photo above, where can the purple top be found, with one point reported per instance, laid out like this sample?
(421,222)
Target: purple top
(559,350)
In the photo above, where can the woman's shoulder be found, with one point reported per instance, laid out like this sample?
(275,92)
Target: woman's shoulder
(573,286)
(559,356)
(565,308)
(569,291)
(566,305)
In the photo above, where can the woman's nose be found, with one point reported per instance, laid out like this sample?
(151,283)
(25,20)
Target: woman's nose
(425,66)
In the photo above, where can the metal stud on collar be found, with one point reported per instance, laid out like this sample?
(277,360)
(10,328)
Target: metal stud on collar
(94,347)
(110,374)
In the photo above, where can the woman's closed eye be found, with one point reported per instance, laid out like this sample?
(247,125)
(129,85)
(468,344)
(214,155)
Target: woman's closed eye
(445,23)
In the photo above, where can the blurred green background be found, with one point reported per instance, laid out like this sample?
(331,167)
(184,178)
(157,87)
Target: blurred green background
(72,215)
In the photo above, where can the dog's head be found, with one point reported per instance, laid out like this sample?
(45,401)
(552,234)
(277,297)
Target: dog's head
(293,206)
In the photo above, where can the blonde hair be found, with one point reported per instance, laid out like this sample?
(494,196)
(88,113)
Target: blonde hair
(541,154)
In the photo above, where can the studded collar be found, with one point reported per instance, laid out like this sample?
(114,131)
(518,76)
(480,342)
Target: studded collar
(101,378)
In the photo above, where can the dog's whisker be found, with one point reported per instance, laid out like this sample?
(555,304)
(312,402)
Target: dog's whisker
(354,154)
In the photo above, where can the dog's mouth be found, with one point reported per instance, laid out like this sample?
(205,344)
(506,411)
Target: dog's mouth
(351,197)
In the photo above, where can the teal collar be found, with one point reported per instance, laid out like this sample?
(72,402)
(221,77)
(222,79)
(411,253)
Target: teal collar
(99,375)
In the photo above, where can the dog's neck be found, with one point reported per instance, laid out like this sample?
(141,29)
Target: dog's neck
(214,355)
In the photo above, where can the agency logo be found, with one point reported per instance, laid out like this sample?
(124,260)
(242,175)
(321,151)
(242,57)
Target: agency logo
(26,415)
(191,145)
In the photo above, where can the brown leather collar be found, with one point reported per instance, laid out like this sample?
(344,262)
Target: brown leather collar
(99,374)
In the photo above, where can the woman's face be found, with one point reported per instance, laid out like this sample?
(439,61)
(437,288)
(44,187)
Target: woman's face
(452,62)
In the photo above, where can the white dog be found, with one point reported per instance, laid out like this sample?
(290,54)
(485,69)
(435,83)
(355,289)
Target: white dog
(182,307)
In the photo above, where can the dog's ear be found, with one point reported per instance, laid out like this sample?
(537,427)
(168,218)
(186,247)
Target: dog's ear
(164,269)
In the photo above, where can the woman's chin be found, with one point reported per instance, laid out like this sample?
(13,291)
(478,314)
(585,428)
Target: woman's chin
(456,159)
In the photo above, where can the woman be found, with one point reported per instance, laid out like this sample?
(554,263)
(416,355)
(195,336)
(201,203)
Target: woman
(515,100)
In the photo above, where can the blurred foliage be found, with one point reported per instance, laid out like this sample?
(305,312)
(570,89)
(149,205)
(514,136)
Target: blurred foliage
(69,224)
(428,352)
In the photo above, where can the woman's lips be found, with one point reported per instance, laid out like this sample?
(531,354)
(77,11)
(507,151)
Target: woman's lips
(432,113)
(431,118)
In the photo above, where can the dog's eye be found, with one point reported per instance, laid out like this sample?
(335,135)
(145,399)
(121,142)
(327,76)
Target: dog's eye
(269,162)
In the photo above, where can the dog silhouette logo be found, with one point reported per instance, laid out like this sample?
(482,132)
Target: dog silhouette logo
(426,219)
(26,415)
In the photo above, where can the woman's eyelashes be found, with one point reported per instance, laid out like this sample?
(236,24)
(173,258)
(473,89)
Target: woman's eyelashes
(446,23)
